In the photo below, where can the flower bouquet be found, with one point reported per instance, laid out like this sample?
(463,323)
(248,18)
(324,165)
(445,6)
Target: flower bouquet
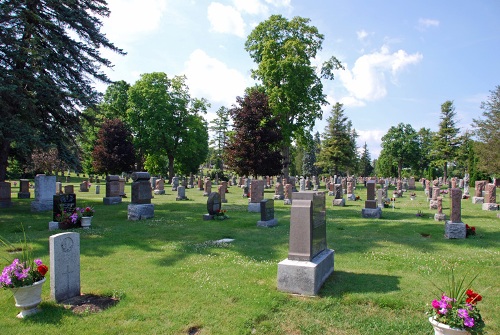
(87,211)
(220,214)
(469,230)
(68,219)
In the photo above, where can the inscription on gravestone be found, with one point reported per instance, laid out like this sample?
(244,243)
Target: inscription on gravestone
(63,202)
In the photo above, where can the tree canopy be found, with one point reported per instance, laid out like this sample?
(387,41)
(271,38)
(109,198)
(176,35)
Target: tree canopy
(400,147)
(50,54)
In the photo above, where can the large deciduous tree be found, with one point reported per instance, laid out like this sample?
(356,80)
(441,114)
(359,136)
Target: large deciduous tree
(165,119)
(488,132)
(283,50)
(50,54)
(253,148)
(446,140)
(400,147)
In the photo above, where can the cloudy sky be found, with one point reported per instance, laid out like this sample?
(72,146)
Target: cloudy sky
(402,59)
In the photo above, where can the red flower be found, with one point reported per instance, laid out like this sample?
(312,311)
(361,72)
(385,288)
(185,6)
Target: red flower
(473,297)
(42,269)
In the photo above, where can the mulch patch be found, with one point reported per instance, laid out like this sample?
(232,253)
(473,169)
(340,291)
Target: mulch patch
(89,303)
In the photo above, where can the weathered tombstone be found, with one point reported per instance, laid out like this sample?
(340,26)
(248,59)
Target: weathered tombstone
(302,184)
(159,186)
(207,188)
(478,197)
(59,188)
(288,194)
(153,182)
(371,209)
(191,181)
(84,186)
(213,206)
(433,203)
(141,207)
(24,189)
(64,266)
(380,198)
(200,184)
(490,199)
(440,216)
(411,183)
(256,195)
(121,184)
(339,195)
(69,189)
(350,191)
(45,187)
(175,183)
(181,193)
(112,190)
(267,218)
(222,188)
(279,193)
(5,194)
(455,228)
(309,261)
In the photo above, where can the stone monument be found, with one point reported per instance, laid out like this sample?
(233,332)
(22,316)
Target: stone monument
(141,207)
(213,206)
(45,188)
(490,199)
(267,218)
(339,195)
(112,190)
(256,195)
(455,228)
(24,189)
(371,209)
(439,216)
(64,268)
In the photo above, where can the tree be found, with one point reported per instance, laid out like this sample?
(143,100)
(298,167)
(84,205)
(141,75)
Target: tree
(488,132)
(220,128)
(424,136)
(254,147)
(164,119)
(365,168)
(50,56)
(114,104)
(309,159)
(283,51)
(114,151)
(446,141)
(338,147)
(400,147)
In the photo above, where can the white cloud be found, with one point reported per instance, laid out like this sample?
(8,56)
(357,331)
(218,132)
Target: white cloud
(210,78)
(225,19)
(362,34)
(253,7)
(373,139)
(368,78)
(280,3)
(423,24)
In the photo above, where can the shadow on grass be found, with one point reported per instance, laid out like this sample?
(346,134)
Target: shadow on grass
(341,283)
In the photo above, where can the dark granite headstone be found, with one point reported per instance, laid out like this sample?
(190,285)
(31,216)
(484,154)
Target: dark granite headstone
(213,203)
(66,202)
(267,209)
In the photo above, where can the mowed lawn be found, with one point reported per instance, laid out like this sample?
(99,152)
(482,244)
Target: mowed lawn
(173,278)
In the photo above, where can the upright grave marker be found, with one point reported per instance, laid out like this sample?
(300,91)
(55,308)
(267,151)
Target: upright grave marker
(141,206)
(112,190)
(339,195)
(256,195)
(24,189)
(45,188)
(5,194)
(267,218)
(478,197)
(371,209)
(213,206)
(490,199)
(64,266)
(455,228)
(439,216)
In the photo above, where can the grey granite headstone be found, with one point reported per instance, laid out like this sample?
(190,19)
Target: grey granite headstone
(64,266)
(181,193)
(141,207)
(45,188)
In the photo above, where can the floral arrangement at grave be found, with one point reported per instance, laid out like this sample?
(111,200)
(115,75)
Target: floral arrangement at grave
(220,214)
(419,213)
(457,306)
(469,230)
(69,219)
(357,198)
(87,211)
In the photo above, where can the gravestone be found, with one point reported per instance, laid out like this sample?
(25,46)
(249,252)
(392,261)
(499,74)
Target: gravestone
(213,206)
(181,193)
(339,195)
(63,202)
(439,216)
(371,209)
(112,190)
(490,199)
(45,187)
(302,184)
(350,191)
(222,188)
(207,188)
(279,193)
(64,266)
(256,195)
(309,261)
(159,186)
(478,197)
(411,183)
(380,198)
(153,182)
(435,194)
(121,184)
(84,186)
(24,189)
(455,228)
(69,189)
(175,183)
(191,181)
(141,207)
(59,188)
(267,218)
(98,189)
(5,195)
(288,194)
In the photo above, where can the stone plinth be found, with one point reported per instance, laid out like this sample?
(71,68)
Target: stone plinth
(454,230)
(140,211)
(371,213)
(478,200)
(489,207)
(338,202)
(112,200)
(439,217)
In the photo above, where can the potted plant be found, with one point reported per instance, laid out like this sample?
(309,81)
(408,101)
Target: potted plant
(87,215)
(68,219)
(456,312)
(24,277)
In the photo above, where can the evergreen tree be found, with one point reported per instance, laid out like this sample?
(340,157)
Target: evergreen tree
(220,129)
(424,136)
(366,168)
(309,158)
(50,55)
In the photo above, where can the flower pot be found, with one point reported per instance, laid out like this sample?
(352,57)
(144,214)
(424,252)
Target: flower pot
(66,225)
(442,329)
(28,298)
(86,221)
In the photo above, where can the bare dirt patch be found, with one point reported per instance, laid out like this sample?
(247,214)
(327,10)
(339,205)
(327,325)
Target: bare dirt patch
(89,303)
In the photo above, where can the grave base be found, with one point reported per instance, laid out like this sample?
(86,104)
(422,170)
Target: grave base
(339,202)
(351,197)
(208,217)
(268,223)
(478,200)
(41,206)
(279,197)
(287,202)
(223,201)
(454,230)
(140,211)
(180,198)
(331,193)
(254,207)
(23,195)
(159,192)
(53,225)
(490,207)
(303,277)
(433,204)
(112,200)
(371,213)
(439,217)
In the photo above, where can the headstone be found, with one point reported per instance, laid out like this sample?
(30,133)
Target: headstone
(191,181)
(153,182)
(84,186)
(181,193)
(439,216)
(478,197)
(411,183)
(267,218)
(45,187)
(24,189)
(5,194)
(207,188)
(159,187)
(302,184)
(64,266)
(433,203)
(256,195)
(69,189)
(490,198)
(371,209)
(121,184)
(141,207)
(380,198)
(339,195)
(63,202)
(175,183)
(200,184)
(350,191)
(288,194)
(59,188)
(455,228)
(309,261)
(279,193)
(222,188)
(213,206)
(112,190)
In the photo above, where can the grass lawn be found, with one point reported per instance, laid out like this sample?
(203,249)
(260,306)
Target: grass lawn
(172,278)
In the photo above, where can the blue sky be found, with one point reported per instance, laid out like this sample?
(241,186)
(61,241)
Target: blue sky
(403,59)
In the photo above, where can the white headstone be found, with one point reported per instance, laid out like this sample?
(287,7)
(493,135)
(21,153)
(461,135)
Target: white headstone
(64,266)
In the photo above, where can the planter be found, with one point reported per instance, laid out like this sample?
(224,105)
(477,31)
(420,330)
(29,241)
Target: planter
(86,221)
(442,329)
(28,298)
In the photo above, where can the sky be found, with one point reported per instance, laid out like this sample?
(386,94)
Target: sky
(402,59)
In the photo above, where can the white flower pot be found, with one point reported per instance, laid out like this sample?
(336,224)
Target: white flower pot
(28,298)
(86,221)
(443,329)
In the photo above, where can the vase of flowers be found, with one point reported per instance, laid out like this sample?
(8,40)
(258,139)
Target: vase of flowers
(87,215)
(25,278)
(68,218)
(456,312)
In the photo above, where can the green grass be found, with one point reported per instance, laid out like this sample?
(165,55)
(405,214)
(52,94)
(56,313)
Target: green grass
(171,276)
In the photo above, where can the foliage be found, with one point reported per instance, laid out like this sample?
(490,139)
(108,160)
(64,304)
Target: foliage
(283,50)
(50,59)
(457,306)
(338,147)
(114,151)
(47,161)
(87,211)
(424,137)
(401,147)
(114,104)
(220,214)
(365,166)
(309,159)
(165,121)
(220,129)
(254,147)
(488,132)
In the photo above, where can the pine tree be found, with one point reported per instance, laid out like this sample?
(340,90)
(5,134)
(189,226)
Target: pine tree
(220,129)
(366,168)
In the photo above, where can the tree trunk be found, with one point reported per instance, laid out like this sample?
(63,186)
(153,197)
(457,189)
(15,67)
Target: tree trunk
(4,159)
(170,167)
(400,168)
(285,151)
